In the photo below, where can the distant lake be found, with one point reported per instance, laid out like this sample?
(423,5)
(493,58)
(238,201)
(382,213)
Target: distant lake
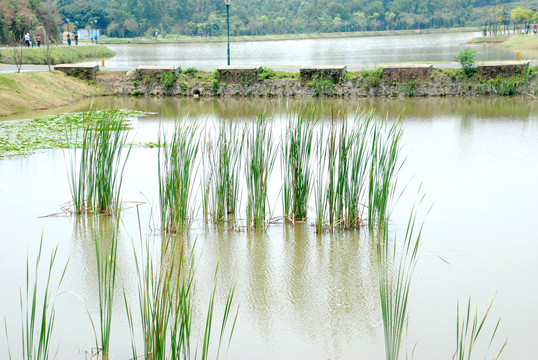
(353,52)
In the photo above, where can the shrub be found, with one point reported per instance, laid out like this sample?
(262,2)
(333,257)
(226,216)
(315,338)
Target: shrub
(214,85)
(168,79)
(266,73)
(466,58)
(190,70)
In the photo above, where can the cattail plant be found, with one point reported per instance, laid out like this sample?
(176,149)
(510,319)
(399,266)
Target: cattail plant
(165,290)
(259,161)
(468,328)
(38,307)
(385,150)
(225,162)
(394,287)
(106,235)
(96,175)
(296,166)
(176,158)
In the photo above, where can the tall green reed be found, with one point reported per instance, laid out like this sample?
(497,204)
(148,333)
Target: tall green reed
(359,160)
(106,250)
(165,294)
(38,307)
(225,163)
(343,175)
(394,287)
(385,164)
(176,158)
(296,166)
(96,174)
(260,158)
(468,328)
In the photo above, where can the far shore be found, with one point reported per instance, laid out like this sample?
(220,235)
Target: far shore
(178,39)
(517,42)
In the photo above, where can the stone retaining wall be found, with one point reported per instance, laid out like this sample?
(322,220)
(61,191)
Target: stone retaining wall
(84,72)
(395,82)
(153,73)
(333,73)
(407,73)
(492,70)
(245,75)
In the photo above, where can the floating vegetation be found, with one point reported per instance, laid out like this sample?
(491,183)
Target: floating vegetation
(25,137)
(176,158)
(96,170)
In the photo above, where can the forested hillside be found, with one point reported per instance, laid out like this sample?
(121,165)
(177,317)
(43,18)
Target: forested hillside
(20,16)
(128,18)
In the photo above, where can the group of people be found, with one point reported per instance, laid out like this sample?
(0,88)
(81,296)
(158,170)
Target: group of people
(69,39)
(534,29)
(29,42)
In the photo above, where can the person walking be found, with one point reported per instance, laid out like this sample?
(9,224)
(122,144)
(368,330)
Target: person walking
(38,40)
(27,39)
(68,39)
(76,39)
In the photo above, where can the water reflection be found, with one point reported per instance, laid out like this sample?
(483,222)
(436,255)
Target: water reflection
(351,51)
(415,109)
(309,296)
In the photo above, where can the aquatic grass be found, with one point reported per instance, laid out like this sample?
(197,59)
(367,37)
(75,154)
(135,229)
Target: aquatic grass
(259,160)
(319,186)
(165,293)
(359,160)
(38,307)
(394,288)
(225,164)
(468,328)
(96,175)
(106,260)
(385,164)
(296,170)
(176,158)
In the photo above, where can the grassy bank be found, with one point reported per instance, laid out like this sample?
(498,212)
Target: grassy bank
(512,41)
(191,39)
(41,90)
(58,54)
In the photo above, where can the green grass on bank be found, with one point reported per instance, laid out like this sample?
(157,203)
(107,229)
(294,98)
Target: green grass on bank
(35,90)
(510,41)
(170,38)
(58,54)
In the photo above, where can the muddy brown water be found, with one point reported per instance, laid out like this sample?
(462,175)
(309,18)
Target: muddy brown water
(302,295)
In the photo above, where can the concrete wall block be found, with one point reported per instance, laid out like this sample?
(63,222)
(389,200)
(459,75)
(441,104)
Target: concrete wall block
(84,72)
(334,73)
(244,75)
(492,70)
(153,73)
(402,74)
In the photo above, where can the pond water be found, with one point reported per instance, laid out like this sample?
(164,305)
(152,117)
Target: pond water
(303,295)
(353,52)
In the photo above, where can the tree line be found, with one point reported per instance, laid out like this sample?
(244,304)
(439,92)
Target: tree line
(130,18)
(18,17)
